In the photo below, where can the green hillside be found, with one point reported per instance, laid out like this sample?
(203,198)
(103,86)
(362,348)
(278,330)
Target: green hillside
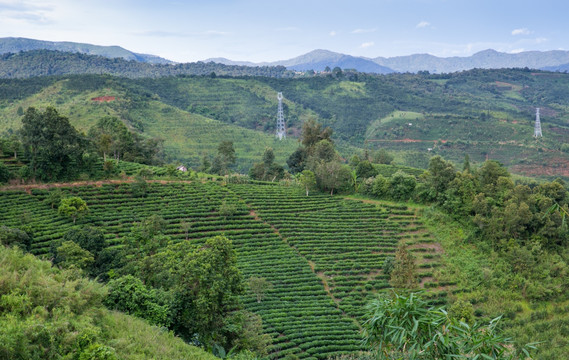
(322,271)
(487,114)
(46,313)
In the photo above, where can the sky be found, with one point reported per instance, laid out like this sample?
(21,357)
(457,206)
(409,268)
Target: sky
(271,30)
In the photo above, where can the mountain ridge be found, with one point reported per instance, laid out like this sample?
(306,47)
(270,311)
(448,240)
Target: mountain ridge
(486,59)
(17,44)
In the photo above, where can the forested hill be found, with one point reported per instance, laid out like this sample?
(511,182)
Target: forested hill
(33,63)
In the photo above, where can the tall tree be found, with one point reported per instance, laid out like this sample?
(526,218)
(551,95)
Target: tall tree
(111,136)
(404,274)
(224,159)
(312,133)
(54,147)
(207,287)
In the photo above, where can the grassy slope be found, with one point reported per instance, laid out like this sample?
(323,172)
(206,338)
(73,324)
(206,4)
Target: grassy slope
(471,269)
(187,136)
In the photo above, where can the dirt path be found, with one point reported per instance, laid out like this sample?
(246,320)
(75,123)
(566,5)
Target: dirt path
(98,183)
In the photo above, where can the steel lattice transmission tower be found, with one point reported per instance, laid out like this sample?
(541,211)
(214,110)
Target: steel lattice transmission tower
(537,129)
(281,131)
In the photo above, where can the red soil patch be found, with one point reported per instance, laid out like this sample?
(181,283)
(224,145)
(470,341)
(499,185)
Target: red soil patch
(104,98)
(561,168)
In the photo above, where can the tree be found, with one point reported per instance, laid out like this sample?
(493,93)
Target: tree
(365,170)
(259,287)
(312,133)
(466,163)
(267,170)
(89,238)
(111,135)
(5,173)
(227,209)
(403,275)
(268,157)
(14,236)
(70,255)
(488,175)
(380,186)
(129,295)
(296,161)
(323,150)
(308,180)
(244,331)
(139,187)
(224,159)
(227,152)
(207,287)
(439,176)
(54,147)
(382,157)
(401,185)
(185,228)
(73,207)
(332,175)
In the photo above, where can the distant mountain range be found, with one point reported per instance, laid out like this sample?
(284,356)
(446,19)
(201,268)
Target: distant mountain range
(15,45)
(317,60)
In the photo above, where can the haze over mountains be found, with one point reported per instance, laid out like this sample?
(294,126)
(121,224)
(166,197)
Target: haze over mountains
(318,60)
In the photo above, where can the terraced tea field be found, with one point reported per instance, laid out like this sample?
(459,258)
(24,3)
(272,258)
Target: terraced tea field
(323,255)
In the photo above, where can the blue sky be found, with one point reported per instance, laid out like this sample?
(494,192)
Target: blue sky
(270,30)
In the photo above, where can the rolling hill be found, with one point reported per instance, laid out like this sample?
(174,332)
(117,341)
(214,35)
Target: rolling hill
(487,114)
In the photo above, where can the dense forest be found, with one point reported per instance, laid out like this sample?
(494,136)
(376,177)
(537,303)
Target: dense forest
(28,64)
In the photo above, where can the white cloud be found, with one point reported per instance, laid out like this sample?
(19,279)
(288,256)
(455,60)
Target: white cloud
(522,31)
(540,40)
(26,11)
(332,33)
(367,44)
(363,31)
(516,51)
(423,24)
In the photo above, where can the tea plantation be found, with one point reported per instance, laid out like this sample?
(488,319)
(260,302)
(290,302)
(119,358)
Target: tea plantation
(323,255)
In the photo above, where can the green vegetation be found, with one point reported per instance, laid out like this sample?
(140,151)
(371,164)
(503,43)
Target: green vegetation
(36,63)
(47,313)
(406,327)
(264,266)
(297,311)
(467,114)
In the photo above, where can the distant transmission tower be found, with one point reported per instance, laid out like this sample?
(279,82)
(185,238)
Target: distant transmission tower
(281,132)
(537,130)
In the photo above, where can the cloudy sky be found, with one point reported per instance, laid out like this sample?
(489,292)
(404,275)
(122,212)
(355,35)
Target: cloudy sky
(269,30)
